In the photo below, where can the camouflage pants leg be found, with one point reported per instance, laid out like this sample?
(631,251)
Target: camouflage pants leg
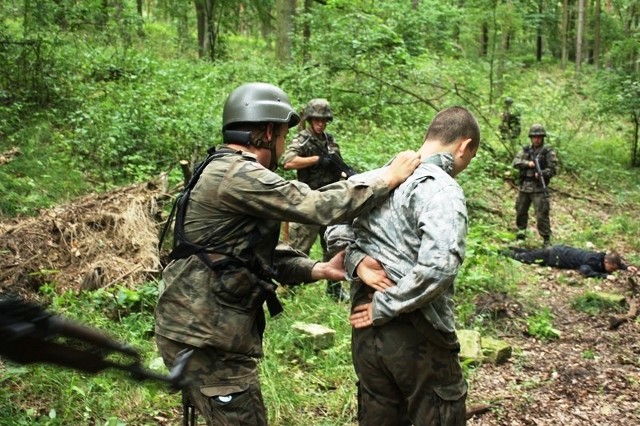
(523,202)
(405,378)
(542,207)
(224,387)
(302,237)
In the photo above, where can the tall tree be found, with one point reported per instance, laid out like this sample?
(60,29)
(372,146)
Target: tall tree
(564,33)
(579,29)
(285,10)
(596,34)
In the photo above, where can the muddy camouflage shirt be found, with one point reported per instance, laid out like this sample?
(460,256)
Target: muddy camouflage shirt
(418,235)
(235,209)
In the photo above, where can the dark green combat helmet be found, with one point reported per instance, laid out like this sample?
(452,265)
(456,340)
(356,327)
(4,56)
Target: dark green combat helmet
(258,103)
(537,130)
(317,108)
(508,101)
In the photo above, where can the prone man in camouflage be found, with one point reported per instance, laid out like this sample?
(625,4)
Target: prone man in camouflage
(310,154)
(510,123)
(404,257)
(533,184)
(212,299)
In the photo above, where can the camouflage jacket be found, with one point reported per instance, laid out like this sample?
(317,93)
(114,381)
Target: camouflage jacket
(235,210)
(510,125)
(419,237)
(548,163)
(307,144)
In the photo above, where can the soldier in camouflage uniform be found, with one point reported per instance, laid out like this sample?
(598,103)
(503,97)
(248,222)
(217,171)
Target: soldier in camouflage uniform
(404,344)
(310,155)
(533,186)
(212,298)
(510,124)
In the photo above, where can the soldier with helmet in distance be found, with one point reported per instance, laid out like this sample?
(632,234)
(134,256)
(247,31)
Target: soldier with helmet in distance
(228,254)
(310,154)
(510,123)
(537,164)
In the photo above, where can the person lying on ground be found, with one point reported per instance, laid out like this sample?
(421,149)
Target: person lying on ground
(590,263)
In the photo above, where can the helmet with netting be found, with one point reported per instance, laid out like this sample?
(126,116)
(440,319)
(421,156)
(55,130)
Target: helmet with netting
(317,108)
(537,130)
(258,103)
(508,100)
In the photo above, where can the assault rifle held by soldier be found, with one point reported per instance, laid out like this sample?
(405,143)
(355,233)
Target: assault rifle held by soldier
(541,176)
(30,335)
(338,163)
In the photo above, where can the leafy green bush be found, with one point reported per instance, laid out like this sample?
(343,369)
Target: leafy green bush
(540,325)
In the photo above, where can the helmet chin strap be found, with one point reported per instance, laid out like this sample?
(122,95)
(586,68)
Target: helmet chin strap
(271,146)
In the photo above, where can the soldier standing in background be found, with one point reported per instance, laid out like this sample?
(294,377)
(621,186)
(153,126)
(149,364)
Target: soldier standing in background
(510,124)
(310,155)
(537,164)
(228,254)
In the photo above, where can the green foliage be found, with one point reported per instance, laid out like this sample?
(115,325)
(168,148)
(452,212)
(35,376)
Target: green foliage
(540,325)
(591,304)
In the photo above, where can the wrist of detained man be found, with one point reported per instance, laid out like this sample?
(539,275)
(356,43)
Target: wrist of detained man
(352,259)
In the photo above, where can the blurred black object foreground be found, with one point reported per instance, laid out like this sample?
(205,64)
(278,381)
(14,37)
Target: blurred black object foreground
(29,335)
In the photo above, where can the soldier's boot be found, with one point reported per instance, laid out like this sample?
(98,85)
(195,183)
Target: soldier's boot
(521,235)
(546,241)
(336,292)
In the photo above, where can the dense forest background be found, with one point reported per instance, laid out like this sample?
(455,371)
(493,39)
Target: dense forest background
(96,95)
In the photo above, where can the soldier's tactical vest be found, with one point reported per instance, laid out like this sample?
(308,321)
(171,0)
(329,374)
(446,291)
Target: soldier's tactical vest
(530,174)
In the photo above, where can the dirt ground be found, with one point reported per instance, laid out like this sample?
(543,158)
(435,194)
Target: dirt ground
(589,376)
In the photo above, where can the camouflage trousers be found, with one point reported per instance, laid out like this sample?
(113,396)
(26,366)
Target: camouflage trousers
(542,207)
(409,374)
(224,387)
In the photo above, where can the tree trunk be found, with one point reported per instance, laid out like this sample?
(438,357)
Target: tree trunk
(284,28)
(579,35)
(484,40)
(201,19)
(564,33)
(596,35)
(306,31)
(539,33)
(205,15)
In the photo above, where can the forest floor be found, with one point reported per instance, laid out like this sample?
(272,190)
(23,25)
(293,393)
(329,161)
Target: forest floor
(590,375)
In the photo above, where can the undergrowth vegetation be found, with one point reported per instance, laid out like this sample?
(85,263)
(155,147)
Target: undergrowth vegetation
(119,115)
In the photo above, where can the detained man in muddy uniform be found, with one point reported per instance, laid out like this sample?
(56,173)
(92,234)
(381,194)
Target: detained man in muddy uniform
(403,257)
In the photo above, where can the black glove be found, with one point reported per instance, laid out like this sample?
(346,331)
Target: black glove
(324,161)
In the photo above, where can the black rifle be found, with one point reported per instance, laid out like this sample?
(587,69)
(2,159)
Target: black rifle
(540,175)
(339,164)
(29,334)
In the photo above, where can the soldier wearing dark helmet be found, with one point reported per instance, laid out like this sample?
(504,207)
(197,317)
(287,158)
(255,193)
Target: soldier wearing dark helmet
(310,155)
(534,180)
(510,123)
(229,260)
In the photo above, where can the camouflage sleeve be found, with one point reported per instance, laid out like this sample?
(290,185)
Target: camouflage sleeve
(254,190)
(294,149)
(551,161)
(352,259)
(291,265)
(522,160)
